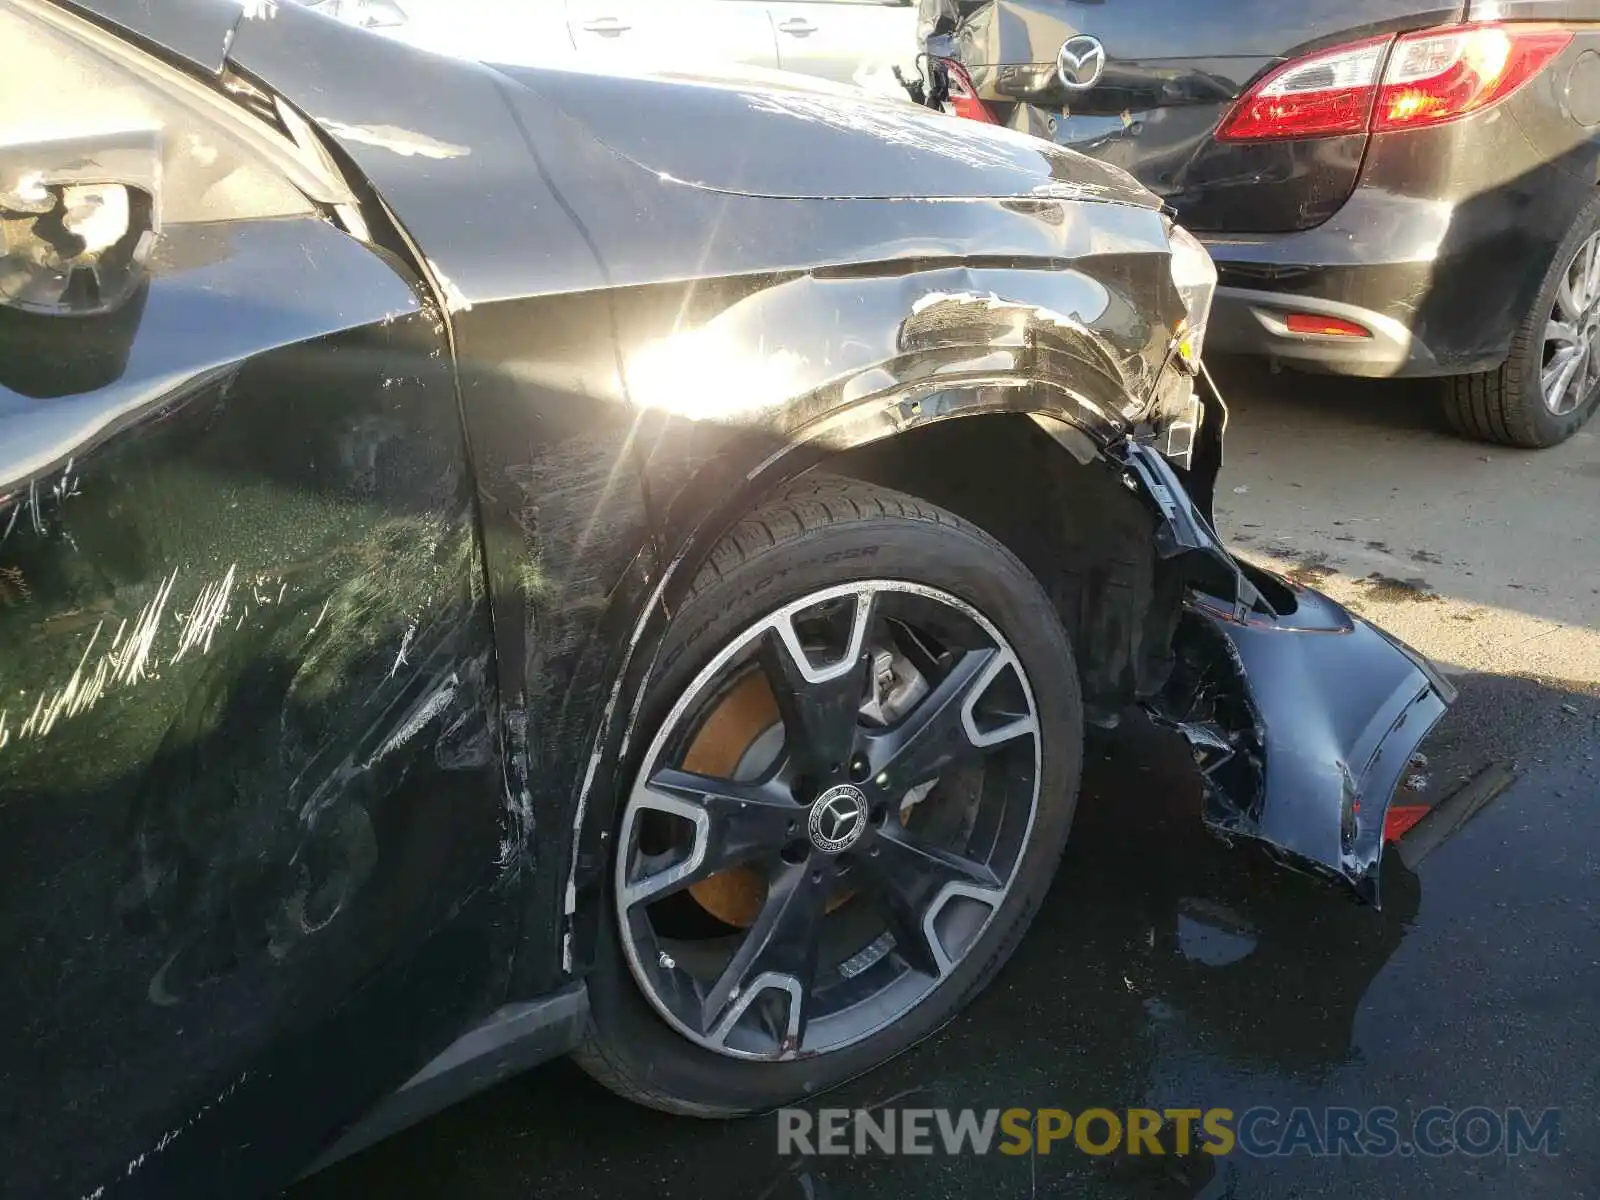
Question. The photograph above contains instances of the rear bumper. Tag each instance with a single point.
(1440, 285)
(1255, 322)
(1375, 264)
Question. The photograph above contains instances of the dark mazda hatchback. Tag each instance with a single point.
(505, 563)
(1388, 187)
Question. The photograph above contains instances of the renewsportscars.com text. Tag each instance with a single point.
(1260, 1132)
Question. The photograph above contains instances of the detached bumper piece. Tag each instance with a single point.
(1302, 724)
(1303, 718)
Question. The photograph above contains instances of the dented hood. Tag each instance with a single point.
(757, 133)
(782, 135)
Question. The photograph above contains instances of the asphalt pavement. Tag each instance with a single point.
(1167, 970)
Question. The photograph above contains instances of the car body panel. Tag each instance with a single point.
(1378, 230)
(1533, 10)
(1172, 73)
(1332, 712)
(476, 29)
(875, 148)
(566, 535)
(1030, 32)
(855, 42)
(1478, 199)
(482, 466)
(195, 31)
(711, 422)
(1302, 716)
(674, 31)
(250, 778)
(851, 41)
(247, 762)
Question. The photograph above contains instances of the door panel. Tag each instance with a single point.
(850, 41)
(673, 33)
(247, 779)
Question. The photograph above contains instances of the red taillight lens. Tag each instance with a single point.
(964, 100)
(1324, 94)
(1441, 76)
(1430, 77)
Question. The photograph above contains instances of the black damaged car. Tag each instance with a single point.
(502, 563)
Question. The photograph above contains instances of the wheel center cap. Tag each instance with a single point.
(838, 818)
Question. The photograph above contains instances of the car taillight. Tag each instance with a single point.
(1425, 79)
(1325, 94)
(964, 100)
(1441, 76)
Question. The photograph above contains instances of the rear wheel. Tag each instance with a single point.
(1549, 386)
(866, 741)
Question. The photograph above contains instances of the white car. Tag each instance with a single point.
(856, 42)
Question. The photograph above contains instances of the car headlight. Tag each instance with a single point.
(368, 14)
(1195, 276)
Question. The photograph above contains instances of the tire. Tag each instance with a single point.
(1507, 406)
(821, 534)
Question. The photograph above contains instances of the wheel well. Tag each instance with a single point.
(1077, 526)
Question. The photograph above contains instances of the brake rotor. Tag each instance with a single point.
(733, 896)
(726, 737)
(748, 711)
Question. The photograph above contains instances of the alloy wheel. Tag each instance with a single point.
(831, 865)
(1571, 366)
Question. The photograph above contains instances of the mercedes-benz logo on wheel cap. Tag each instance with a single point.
(1081, 62)
(837, 818)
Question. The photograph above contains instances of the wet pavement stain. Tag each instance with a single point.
(1168, 970)
(1385, 589)
(1312, 570)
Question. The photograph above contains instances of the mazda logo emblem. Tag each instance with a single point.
(1081, 62)
(837, 818)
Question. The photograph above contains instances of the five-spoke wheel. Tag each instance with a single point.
(878, 820)
(864, 747)
(1549, 385)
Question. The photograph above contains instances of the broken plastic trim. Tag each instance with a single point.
(1185, 530)
(1301, 717)
(1301, 726)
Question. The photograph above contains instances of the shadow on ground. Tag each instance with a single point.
(1370, 404)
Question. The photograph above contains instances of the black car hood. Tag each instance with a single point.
(781, 135)
(195, 31)
(761, 133)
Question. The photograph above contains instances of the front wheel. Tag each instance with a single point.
(1549, 386)
(866, 742)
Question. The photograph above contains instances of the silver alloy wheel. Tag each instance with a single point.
(815, 970)
(1572, 335)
